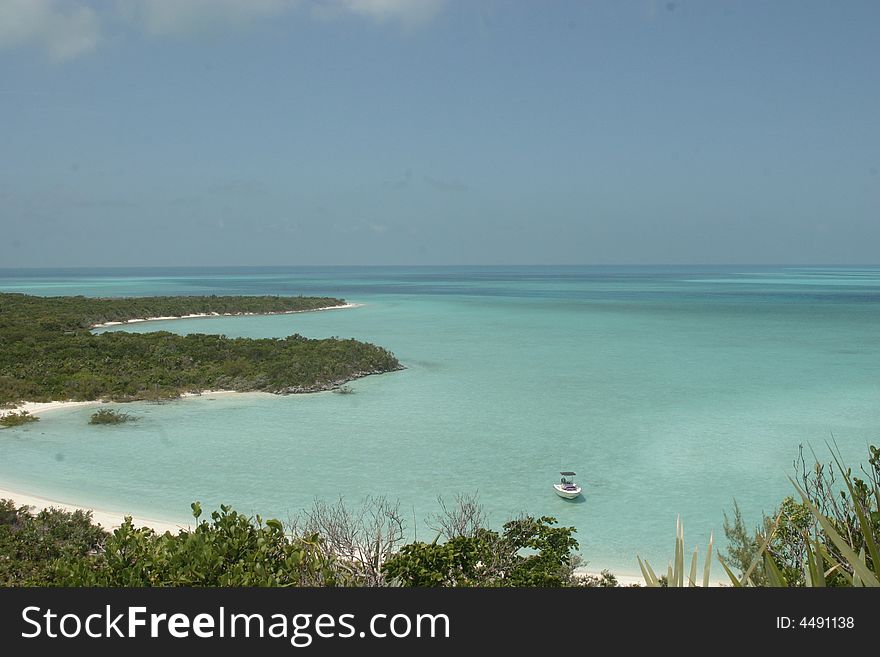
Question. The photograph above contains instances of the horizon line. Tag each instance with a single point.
(376, 266)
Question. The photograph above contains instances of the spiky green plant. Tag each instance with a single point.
(839, 550)
(853, 566)
(675, 574)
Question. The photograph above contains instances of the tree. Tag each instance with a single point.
(466, 518)
(490, 558)
(229, 550)
(360, 539)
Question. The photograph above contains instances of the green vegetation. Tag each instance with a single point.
(30, 545)
(675, 574)
(109, 416)
(229, 550)
(17, 419)
(490, 558)
(829, 538)
(819, 541)
(48, 352)
(58, 548)
(77, 312)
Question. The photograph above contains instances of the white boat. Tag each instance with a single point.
(566, 487)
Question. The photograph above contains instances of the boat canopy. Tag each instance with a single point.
(568, 474)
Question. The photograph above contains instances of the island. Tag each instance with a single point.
(49, 351)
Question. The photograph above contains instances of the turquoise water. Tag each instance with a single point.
(669, 390)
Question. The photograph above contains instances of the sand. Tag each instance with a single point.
(107, 519)
(110, 519)
(201, 315)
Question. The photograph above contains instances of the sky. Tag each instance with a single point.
(402, 132)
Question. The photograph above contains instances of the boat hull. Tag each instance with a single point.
(567, 493)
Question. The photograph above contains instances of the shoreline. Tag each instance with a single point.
(209, 315)
(623, 580)
(36, 408)
(109, 520)
(106, 518)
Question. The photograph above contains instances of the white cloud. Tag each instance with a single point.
(407, 12)
(63, 29)
(68, 28)
(180, 17)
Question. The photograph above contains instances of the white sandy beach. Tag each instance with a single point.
(203, 315)
(112, 519)
(638, 580)
(39, 408)
(622, 580)
(108, 519)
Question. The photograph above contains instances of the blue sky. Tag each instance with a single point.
(276, 132)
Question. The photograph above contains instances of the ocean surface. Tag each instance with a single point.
(669, 390)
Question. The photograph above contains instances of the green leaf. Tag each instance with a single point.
(864, 573)
(733, 579)
(864, 523)
(814, 572)
(774, 575)
(747, 576)
(648, 573)
(708, 565)
(678, 570)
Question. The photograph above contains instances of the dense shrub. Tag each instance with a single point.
(528, 552)
(830, 536)
(110, 416)
(17, 419)
(47, 351)
(229, 550)
(30, 545)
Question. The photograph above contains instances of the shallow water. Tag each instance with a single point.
(669, 390)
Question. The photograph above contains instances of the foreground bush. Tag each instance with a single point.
(490, 558)
(57, 548)
(229, 550)
(830, 538)
(30, 545)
